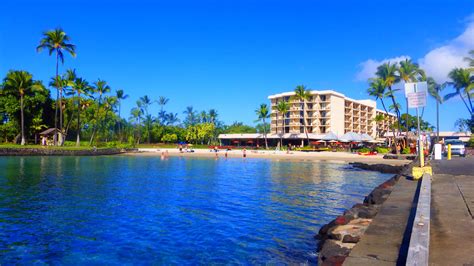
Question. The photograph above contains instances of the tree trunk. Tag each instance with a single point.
(394, 143)
(265, 133)
(397, 111)
(78, 138)
(57, 101)
(407, 124)
(120, 123)
(23, 141)
(61, 115)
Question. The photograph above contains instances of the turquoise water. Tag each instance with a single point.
(142, 210)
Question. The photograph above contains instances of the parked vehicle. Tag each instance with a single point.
(457, 147)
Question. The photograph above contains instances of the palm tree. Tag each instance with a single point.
(162, 101)
(409, 72)
(212, 114)
(434, 90)
(203, 116)
(377, 119)
(78, 86)
(377, 90)
(388, 74)
(302, 94)
(137, 113)
(171, 119)
(282, 108)
(100, 87)
(190, 116)
(120, 95)
(463, 84)
(20, 83)
(146, 102)
(262, 114)
(57, 41)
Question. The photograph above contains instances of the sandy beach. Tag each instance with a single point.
(343, 157)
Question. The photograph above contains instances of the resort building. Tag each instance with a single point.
(324, 112)
(327, 111)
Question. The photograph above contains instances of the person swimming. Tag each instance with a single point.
(162, 155)
(244, 152)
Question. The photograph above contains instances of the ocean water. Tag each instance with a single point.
(180, 211)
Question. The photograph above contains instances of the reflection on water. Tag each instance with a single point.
(115, 210)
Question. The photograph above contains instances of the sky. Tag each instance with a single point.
(230, 55)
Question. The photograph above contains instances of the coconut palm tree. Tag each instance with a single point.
(120, 95)
(171, 119)
(79, 86)
(282, 108)
(137, 113)
(387, 72)
(57, 41)
(162, 101)
(377, 89)
(101, 88)
(470, 60)
(377, 119)
(212, 115)
(463, 83)
(302, 94)
(20, 83)
(409, 72)
(434, 90)
(190, 116)
(146, 102)
(262, 114)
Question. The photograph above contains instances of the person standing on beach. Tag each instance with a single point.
(225, 154)
(244, 152)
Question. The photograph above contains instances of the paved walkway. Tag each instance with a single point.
(452, 212)
(384, 241)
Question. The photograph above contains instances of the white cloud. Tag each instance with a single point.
(437, 63)
(369, 67)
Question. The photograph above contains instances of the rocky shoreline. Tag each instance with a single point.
(337, 238)
(382, 168)
(59, 152)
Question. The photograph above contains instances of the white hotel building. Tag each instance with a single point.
(325, 111)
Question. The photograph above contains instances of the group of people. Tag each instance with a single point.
(216, 152)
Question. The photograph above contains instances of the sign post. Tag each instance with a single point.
(416, 93)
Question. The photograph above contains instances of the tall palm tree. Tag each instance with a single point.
(262, 114)
(101, 88)
(162, 101)
(302, 94)
(171, 119)
(377, 119)
(57, 41)
(78, 86)
(377, 89)
(434, 89)
(203, 116)
(388, 73)
(409, 72)
(463, 83)
(20, 83)
(146, 102)
(190, 116)
(137, 113)
(120, 95)
(282, 108)
(212, 114)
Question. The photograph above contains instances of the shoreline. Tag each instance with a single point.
(275, 155)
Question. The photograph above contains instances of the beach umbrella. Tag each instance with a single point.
(366, 137)
(333, 141)
(351, 137)
(317, 142)
(330, 136)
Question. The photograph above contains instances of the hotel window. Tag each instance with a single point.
(323, 98)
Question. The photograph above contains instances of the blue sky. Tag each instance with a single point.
(230, 55)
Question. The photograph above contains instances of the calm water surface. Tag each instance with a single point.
(142, 210)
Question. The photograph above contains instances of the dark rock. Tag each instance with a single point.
(350, 239)
(334, 261)
(377, 196)
(383, 168)
(331, 249)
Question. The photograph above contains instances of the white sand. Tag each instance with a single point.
(271, 154)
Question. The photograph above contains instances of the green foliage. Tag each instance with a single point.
(382, 150)
(169, 138)
(364, 150)
(406, 150)
(238, 127)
